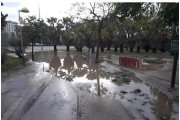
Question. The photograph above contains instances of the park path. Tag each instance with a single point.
(60, 101)
(21, 88)
(57, 99)
(31, 93)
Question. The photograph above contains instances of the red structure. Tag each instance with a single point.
(129, 62)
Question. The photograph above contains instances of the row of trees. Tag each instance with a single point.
(101, 25)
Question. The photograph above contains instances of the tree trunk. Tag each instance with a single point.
(92, 49)
(67, 49)
(115, 49)
(108, 48)
(3, 58)
(18, 53)
(121, 48)
(146, 48)
(138, 49)
(154, 50)
(131, 49)
(55, 49)
(32, 53)
(97, 54)
(162, 50)
(3, 55)
(98, 87)
(98, 41)
(102, 49)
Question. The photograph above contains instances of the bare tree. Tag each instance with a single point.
(97, 12)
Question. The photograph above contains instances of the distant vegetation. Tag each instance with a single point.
(134, 26)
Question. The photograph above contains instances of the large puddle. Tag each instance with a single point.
(143, 100)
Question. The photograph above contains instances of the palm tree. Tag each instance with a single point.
(54, 30)
(67, 34)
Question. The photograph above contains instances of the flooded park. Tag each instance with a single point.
(107, 79)
(89, 60)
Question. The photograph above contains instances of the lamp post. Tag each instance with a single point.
(174, 49)
(32, 41)
(24, 10)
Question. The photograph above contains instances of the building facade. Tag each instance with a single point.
(10, 28)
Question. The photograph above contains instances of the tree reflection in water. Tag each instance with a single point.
(81, 69)
(94, 74)
(68, 63)
(161, 105)
(55, 63)
(88, 77)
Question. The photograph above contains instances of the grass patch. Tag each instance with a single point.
(10, 62)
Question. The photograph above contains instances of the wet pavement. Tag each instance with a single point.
(19, 89)
(82, 89)
(110, 82)
(61, 101)
(57, 102)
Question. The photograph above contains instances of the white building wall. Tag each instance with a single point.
(10, 28)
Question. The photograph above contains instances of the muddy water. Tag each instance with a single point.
(143, 100)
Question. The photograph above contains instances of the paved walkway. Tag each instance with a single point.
(162, 78)
(19, 88)
(60, 101)
(166, 72)
(31, 94)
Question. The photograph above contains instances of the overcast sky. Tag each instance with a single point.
(48, 8)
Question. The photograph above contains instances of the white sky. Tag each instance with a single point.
(48, 8)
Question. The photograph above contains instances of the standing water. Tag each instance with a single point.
(143, 100)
